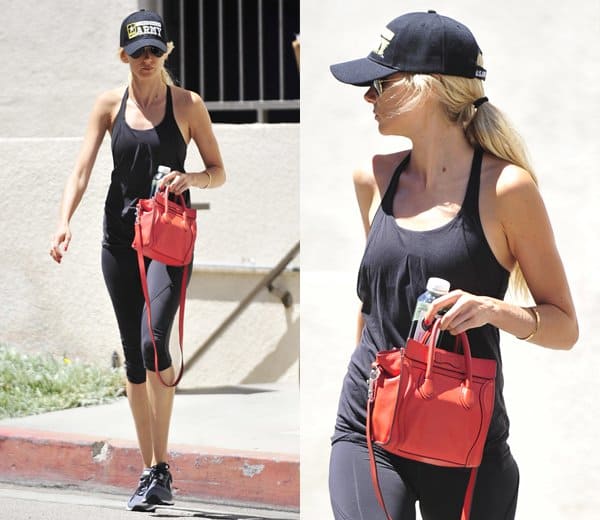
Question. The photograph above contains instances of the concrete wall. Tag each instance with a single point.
(60, 57)
(542, 61)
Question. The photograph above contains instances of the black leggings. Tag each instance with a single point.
(122, 278)
(440, 491)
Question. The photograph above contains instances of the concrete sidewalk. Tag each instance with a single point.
(234, 445)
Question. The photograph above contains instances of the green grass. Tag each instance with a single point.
(32, 384)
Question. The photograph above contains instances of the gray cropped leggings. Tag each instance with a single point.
(439, 491)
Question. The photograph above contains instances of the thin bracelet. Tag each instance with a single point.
(536, 315)
(209, 180)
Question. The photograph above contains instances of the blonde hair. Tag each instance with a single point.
(164, 73)
(486, 126)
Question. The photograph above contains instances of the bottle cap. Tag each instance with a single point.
(163, 169)
(438, 285)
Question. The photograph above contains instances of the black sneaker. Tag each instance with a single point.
(137, 502)
(159, 490)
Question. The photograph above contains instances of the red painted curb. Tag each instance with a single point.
(215, 475)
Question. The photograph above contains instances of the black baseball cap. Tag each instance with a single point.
(143, 29)
(419, 43)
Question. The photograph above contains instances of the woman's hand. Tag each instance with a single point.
(176, 182)
(60, 243)
(465, 311)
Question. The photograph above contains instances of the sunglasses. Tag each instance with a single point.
(140, 52)
(378, 85)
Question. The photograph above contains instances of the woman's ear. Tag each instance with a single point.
(123, 55)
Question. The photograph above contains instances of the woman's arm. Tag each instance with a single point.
(99, 123)
(201, 132)
(530, 240)
(365, 189)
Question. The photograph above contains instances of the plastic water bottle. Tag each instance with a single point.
(436, 287)
(161, 171)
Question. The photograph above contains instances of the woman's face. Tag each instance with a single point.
(147, 63)
(393, 104)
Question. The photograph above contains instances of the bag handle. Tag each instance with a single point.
(180, 202)
(427, 335)
(427, 388)
(143, 278)
(179, 197)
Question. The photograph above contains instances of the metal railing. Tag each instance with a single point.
(236, 53)
(265, 283)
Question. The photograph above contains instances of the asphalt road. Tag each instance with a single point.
(25, 502)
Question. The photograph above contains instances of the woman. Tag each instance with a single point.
(462, 205)
(151, 122)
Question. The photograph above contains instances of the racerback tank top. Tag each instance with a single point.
(136, 157)
(393, 273)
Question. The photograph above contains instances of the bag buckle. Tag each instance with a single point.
(373, 377)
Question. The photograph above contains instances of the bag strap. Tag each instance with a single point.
(373, 466)
(466, 509)
(143, 279)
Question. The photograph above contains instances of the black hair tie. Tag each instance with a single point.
(478, 102)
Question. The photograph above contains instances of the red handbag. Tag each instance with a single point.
(431, 405)
(165, 231)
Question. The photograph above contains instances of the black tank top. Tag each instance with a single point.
(395, 267)
(136, 157)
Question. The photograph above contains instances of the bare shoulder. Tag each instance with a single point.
(363, 178)
(509, 198)
(106, 107)
(384, 166)
(186, 99)
(505, 180)
(113, 96)
(108, 100)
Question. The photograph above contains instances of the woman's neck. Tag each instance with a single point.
(145, 94)
(439, 148)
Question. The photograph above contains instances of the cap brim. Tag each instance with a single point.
(361, 72)
(145, 42)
